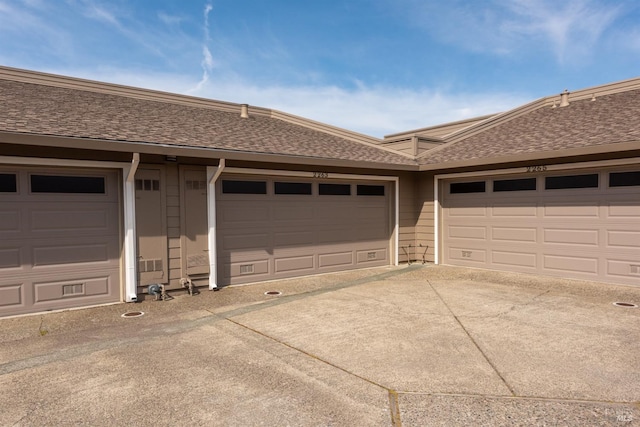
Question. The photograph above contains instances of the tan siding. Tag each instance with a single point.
(425, 226)
(173, 226)
(408, 217)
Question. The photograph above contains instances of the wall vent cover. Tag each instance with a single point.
(246, 269)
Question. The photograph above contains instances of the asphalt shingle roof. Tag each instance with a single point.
(67, 112)
(610, 119)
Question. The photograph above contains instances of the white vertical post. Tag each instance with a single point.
(436, 221)
(213, 173)
(130, 250)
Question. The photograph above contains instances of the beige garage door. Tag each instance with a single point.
(59, 244)
(582, 225)
(276, 228)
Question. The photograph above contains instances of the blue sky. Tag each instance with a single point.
(372, 66)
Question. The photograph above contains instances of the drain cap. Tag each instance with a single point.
(129, 314)
(273, 293)
(625, 304)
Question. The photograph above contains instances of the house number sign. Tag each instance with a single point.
(320, 175)
(538, 168)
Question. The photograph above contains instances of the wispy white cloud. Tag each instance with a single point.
(568, 28)
(207, 62)
(373, 110)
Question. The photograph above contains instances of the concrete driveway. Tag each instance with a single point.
(411, 346)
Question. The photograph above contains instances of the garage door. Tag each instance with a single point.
(276, 228)
(577, 225)
(59, 244)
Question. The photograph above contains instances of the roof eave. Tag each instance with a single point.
(536, 156)
(194, 152)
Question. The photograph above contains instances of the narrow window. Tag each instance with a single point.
(467, 187)
(524, 184)
(370, 190)
(571, 181)
(334, 189)
(301, 188)
(244, 187)
(67, 184)
(624, 179)
(8, 183)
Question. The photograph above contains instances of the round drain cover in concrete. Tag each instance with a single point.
(273, 293)
(625, 304)
(129, 314)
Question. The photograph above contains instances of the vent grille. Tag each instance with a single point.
(148, 265)
(147, 185)
(70, 290)
(372, 255)
(246, 269)
(635, 269)
(196, 185)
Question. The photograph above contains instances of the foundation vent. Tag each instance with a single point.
(371, 256)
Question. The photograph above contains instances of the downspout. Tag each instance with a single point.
(213, 173)
(436, 221)
(130, 262)
(397, 222)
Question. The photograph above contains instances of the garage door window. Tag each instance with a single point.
(370, 190)
(571, 181)
(624, 179)
(525, 184)
(67, 184)
(244, 187)
(334, 189)
(8, 183)
(299, 188)
(467, 187)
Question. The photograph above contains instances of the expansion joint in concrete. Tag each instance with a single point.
(477, 346)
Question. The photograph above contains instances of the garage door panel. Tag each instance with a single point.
(10, 258)
(335, 259)
(300, 238)
(72, 289)
(244, 211)
(286, 264)
(517, 259)
(571, 264)
(62, 254)
(254, 270)
(624, 267)
(245, 241)
(509, 211)
(514, 234)
(571, 236)
(467, 232)
(12, 296)
(10, 222)
(461, 210)
(72, 219)
(573, 211)
(371, 255)
(468, 255)
(628, 209)
(623, 238)
(292, 212)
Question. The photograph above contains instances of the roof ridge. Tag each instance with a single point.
(360, 138)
